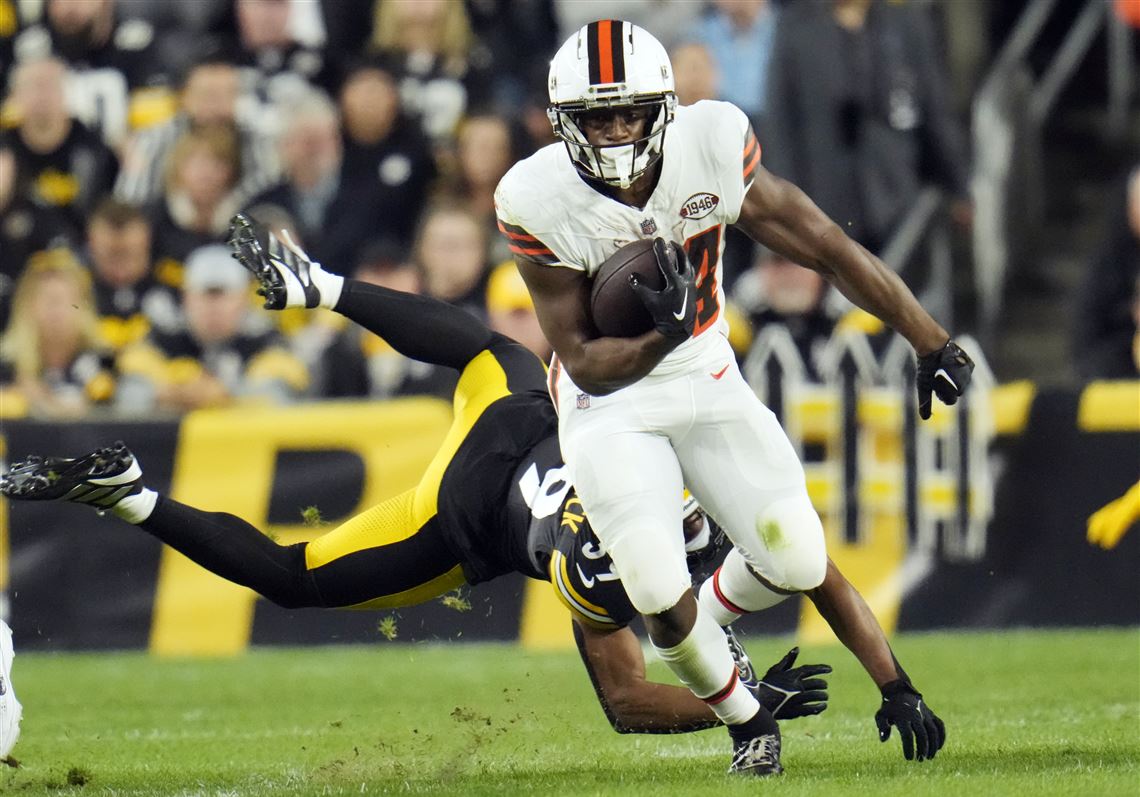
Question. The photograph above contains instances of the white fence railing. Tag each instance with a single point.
(870, 463)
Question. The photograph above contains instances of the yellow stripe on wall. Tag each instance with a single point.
(873, 567)
(545, 624)
(225, 461)
(1010, 404)
(1110, 407)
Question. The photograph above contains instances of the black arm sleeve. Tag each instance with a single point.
(419, 327)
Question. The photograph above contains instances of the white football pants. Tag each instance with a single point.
(630, 452)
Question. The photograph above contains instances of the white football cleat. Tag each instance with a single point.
(10, 708)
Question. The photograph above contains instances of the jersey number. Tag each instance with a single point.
(544, 498)
(703, 250)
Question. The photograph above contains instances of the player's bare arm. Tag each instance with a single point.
(849, 616)
(921, 731)
(598, 365)
(631, 703)
(779, 215)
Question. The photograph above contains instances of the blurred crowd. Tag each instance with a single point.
(375, 132)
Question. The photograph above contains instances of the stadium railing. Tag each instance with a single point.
(1009, 113)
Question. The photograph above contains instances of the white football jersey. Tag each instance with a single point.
(549, 214)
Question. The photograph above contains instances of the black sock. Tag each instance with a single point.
(761, 724)
(233, 549)
(419, 327)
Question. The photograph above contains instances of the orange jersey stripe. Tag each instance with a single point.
(751, 165)
(516, 236)
(750, 146)
(605, 51)
(521, 249)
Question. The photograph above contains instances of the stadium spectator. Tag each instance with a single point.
(348, 25)
(51, 353)
(25, 229)
(335, 213)
(694, 73)
(739, 35)
(499, 26)
(60, 164)
(431, 42)
(777, 291)
(209, 96)
(485, 150)
(9, 27)
(510, 310)
(200, 195)
(225, 354)
(451, 253)
(670, 22)
(263, 38)
(380, 141)
(862, 130)
(532, 116)
(362, 364)
(130, 298)
(116, 78)
(268, 41)
(1106, 340)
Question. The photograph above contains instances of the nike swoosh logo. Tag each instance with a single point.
(719, 373)
(941, 372)
(587, 582)
(680, 315)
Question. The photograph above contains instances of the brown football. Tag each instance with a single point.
(616, 309)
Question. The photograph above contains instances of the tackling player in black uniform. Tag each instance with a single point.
(492, 501)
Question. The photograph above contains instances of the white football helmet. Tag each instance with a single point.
(611, 64)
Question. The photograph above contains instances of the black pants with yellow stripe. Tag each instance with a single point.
(397, 553)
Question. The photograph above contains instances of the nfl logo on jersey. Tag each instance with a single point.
(583, 401)
(648, 226)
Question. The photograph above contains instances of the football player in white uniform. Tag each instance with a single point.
(10, 709)
(637, 416)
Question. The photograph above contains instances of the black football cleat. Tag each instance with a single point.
(759, 756)
(284, 272)
(100, 479)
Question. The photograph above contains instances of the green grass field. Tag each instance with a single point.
(1027, 713)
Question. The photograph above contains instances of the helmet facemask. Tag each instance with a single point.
(614, 164)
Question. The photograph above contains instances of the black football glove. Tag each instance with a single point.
(674, 307)
(946, 372)
(920, 729)
(790, 692)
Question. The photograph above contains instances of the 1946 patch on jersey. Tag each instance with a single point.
(699, 205)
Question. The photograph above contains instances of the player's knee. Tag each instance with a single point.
(652, 586)
(294, 587)
(790, 531)
(652, 599)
